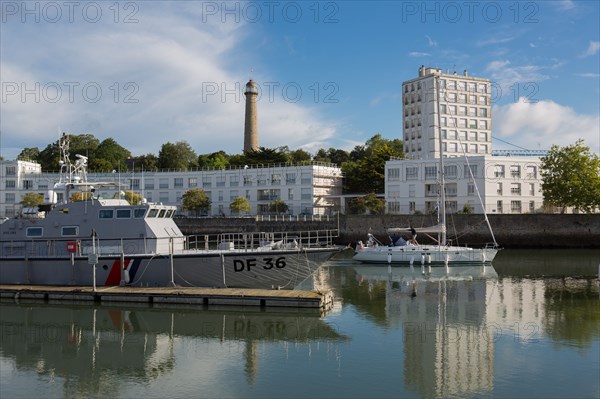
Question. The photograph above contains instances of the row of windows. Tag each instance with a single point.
(137, 213)
(220, 181)
(462, 135)
(515, 206)
(452, 148)
(451, 171)
(450, 98)
(452, 85)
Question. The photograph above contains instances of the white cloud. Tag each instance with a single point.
(417, 54)
(541, 124)
(186, 75)
(503, 74)
(592, 49)
(431, 42)
(495, 40)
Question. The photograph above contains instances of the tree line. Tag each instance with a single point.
(363, 166)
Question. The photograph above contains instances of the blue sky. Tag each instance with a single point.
(330, 73)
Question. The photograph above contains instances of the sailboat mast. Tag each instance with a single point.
(442, 207)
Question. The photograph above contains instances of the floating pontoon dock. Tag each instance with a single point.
(172, 295)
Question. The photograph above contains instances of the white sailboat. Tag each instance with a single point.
(410, 252)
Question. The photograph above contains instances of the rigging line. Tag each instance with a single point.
(506, 142)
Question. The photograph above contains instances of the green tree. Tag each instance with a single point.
(49, 157)
(375, 205)
(80, 196)
(109, 153)
(29, 154)
(32, 200)
(332, 155)
(239, 205)
(196, 201)
(262, 156)
(365, 171)
(178, 156)
(571, 177)
(216, 160)
(148, 162)
(356, 206)
(133, 198)
(278, 206)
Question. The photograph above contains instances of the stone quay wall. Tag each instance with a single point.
(511, 231)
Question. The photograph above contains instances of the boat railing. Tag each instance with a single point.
(263, 240)
(61, 247)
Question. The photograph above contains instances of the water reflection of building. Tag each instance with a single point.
(443, 319)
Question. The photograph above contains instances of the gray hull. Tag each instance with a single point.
(278, 269)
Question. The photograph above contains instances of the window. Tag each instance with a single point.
(306, 178)
(442, 108)
(34, 231)
(290, 193)
(452, 109)
(472, 111)
(206, 181)
(69, 231)
(531, 206)
(473, 170)
(135, 184)
(220, 195)
(306, 193)
(393, 206)
(431, 190)
(192, 182)
(247, 181)
(290, 178)
(453, 147)
(412, 173)
(394, 174)
(482, 136)
(531, 172)
(473, 124)
(483, 112)
(149, 184)
(483, 124)
(515, 171)
(275, 179)
(472, 136)
(9, 184)
(499, 206)
(412, 206)
(234, 180)
(152, 213)
(470, 189)
(106, 214)
(483, 148)
(473, 99)
(482, 88)
(411, 190)
(462, 111)
(499, 172)
(499, 189)
(163, 196)
(233, 194)
(27, 184)
(161, 213)
(482, 100)
(450, 171)
(163, 183)
(220, 181)
(430, 172)
(262, 180)
(515, 206)
(139, 213)
(473, 148)
(515, 188)
(123, 213)
(178, 182)
(532, 189)
(462, 98)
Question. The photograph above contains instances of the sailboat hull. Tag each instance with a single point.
(425, 254)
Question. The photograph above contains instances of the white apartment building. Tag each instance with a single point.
(306, 189)
(460, 108)
(506, 184)
(464, 114)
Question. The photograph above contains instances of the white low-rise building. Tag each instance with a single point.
(313, 188)
(506, 184)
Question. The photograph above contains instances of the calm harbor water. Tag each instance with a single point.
(528, 327)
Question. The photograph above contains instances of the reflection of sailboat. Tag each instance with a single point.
(386, 273)
(401, 251)
(88, 346)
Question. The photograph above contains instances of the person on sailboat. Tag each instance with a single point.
(413, 236)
